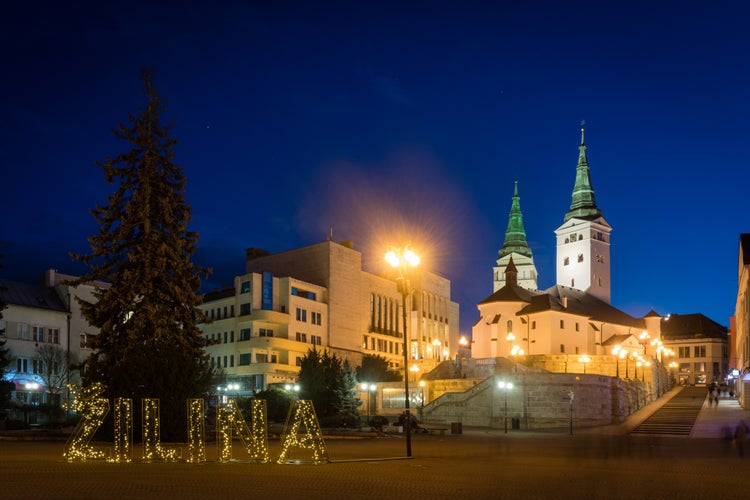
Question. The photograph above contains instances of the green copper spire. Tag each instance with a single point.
(583, 206)
(515, 235)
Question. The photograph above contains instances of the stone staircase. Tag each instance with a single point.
(677, 416)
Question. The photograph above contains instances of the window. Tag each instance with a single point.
(509, 326)
(261, 358)
(37, 366)
(37, 333)
(315, 317)
(245, 309)
(562, 348)
(316, 339)
(566, 261)
(245, 359)
(231, 336)
(699, 351)
(225, 361)
(683, 352)
(225, 337)
(245, 287)
(573, 237)
(700, 367)
(301, 337)
(22, 365)
(245, 334)
(231, 310)
(562, 323)
(263, 332)
(580, 257)
(231, 360)
(53, 335)
(533, 325)
(684, 367)
(298, 361)
(302, 315)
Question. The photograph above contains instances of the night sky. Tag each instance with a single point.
(392, 122)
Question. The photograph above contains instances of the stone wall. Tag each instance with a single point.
(539, 401)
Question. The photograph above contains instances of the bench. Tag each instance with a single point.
(431, 429)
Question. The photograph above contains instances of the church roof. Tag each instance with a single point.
(512, 293)
(583, 205)
(578, 302)
(515, 234)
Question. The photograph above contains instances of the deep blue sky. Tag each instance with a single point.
(378, 118)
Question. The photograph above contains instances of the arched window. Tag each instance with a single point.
(510, 326)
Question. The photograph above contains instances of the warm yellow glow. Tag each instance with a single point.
(255, 440)
(517, 351)
(463, 342)
(414, 368)
(92, 410)
(123, 431)
(152, 448)
(402, 258)
(196, 430)
(302, 430)
(510, 337)
(584, 359)
(505, 385)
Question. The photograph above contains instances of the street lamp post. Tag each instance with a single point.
(585, 360)
(402, 259)
(505, 386)
(367, 388)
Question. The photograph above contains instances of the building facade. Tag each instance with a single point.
(319, 295)
(742, 322)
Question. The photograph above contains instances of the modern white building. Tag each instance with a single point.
(319, 295)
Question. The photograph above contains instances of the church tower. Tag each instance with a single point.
(583, 240)
(516, 250)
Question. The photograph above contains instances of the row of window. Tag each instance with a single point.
(575, 237)
(216, 314)
(699, 351)
(509, 325)
(380, 345)
(316, 318)
(384, 315)
(697, 367)
(35, 333)
(434, 306)
(36, 366)
(314, 339)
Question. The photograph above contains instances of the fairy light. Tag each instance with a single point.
(152, 448)
(123, 431)
(302, 415)
(92, 410)
(196, 431)
(255, 440)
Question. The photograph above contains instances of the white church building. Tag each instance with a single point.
(573, 317)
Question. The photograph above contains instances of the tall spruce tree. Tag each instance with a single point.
(149, 343)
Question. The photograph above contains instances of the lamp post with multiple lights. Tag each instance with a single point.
(584, 359)
(402, 259)
(505, 386)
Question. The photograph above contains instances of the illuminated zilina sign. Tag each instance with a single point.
(229, 419)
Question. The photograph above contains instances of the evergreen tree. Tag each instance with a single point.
(5, 356)
(374, 368)
(329, 383)
(149, 343)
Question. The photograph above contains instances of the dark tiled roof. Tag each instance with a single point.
(694, 325)
(23, 294)
(512, 293)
